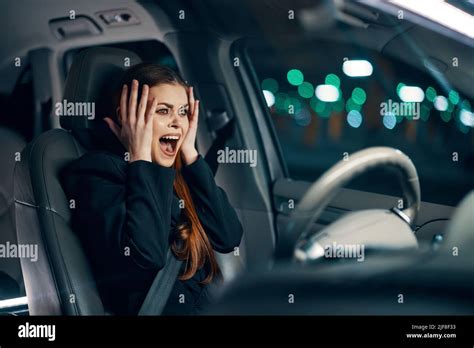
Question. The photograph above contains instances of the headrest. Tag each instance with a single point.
(93, 78)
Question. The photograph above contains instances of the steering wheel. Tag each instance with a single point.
(375, 228)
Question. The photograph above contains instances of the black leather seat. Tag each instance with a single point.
(61, 281)
(11, 143)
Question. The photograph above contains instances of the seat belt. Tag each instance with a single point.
(160, 289)
(223, 125)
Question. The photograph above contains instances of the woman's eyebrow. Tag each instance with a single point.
(171, 105)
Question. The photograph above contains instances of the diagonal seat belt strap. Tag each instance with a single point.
(161, 287)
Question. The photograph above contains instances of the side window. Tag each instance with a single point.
(329, 100)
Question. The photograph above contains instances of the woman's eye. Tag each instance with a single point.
(184, 112)
(163, 111)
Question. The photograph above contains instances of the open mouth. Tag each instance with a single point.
(169, 144)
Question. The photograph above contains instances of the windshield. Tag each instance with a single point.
(329, 98)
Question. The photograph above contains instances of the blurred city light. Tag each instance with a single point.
(354, 118)
(306, 90)
(358, 96)
(295, 77)
(332, 79)
(441, 103)
(430, 94)
(399, 87)
(453, 97)
(303, 118)
(411, 94)
(357, 68)
(466, 117)
(389, 120)
(445, 116)
(351, 105)
(269, 98)
(327, 93)
(270, 85)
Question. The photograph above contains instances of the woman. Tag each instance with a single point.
(149, 190)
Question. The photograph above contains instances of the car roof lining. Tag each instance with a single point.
(156, 22)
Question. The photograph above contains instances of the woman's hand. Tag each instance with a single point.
(136, 123)
(188, 148)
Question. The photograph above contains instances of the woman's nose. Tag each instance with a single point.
(175, 121)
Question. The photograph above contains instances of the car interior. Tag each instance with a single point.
(329, 172)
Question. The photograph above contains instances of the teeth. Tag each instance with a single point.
(171, 137)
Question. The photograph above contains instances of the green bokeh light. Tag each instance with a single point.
(327, 109)
(466, 105)
(320, 106)
(399, 87)
(351, 105)
(270, 85)
(280, 102)
(339, 105)
(424, 112)
(295, 77)
(313, 102)
(445, 116)
(359, 96)
(332, 79)
(430, 94)
(453, 97)
(306, 90)
(450, 106)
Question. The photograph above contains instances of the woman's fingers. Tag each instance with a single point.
(143, 103)
(195, 118)
(132, 102)
(191, 98)
(151, 110)
(123, 104)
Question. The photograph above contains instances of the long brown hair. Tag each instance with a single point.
(190, 242)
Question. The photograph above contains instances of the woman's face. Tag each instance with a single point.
(170, 122)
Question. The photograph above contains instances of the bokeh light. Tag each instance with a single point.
(354, 118)
(269, 98)
(358, 96)
(295, 77)
(270, 85)
(306, 90)
(441, 103)
(389, 120)
(332, 79)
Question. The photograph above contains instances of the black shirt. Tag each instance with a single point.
(125, 215)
